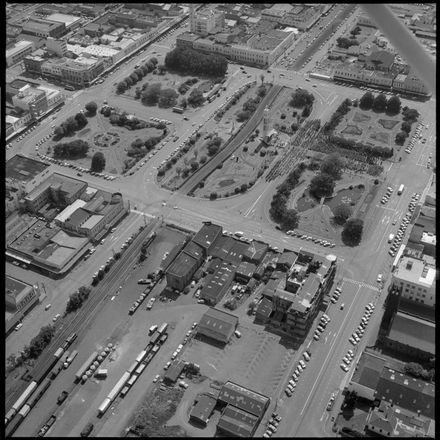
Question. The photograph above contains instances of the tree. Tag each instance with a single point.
(121, 87)
(406, 127)
(352, 232)
(322, 185)
(301, 98)
(380, 103)
(151, 95)
(196, 98)
(213, 196)
(414, 369)
(129, 80)
(400, 138)
(203, 159)
(345, 43)
(393, 105)
(342, 213)
(290, 219)
(243, 116)
(167, 98)
(366, 102)
(333, 165)
(91, 107)
(59, 131)
(98, 162)
(81, 120)
(135, 77)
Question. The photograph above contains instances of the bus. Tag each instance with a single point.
(401, 188)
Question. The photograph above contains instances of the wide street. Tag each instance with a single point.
(303, 414)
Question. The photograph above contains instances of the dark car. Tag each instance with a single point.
(62, 397)
(87, 430)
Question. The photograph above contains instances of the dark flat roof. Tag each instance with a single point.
(207, 235)
(203, 408)
(182, 265)
(23, 169)
(194, 250)
(237, 422)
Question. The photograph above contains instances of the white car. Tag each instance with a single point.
(344, 367)
(352, 341)
(302, 363)
(156, 378)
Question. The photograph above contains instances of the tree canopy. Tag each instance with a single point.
(91, 107)
(301, 98)
(380, 103)
(190, 61)
(98, 162)
(393, 105)
(333, 165)
(345, 43)
(367, 100)
(71, 150)
(196, 98)
(352, 232)
(342, 213)
(167, 98)
(151, 95)
(322, 185)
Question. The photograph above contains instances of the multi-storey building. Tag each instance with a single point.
(18, 52)
(205, 21)
(44, 28)
(416, 280)
(81, 71)
(57, 45)
(33, 63)
(32, 100)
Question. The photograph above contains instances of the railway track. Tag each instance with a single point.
(79, 322)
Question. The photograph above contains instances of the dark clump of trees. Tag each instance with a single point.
(287, 218)
(71, 150)
(342, 213)
(190, 61)
(196, 98)
(39, 342)
(337, 116)
(322, 185)
(91, 108)
(301, 98)
(352, 232)
(76, 299)
(345, 43)
(137, 75)
(333, 165)
(71, 125)
(213, 145)
(416, 370)
(98, 162)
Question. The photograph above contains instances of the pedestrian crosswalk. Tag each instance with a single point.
(362, 284)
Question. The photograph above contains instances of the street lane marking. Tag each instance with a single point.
(362, 284)
(331, 349)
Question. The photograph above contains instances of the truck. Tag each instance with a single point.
(401, 188)
(85, 365)
(178, 110)
(102, 373)
(62, 397)
(70, 359)
(238, 234)
(152, 329)
(163, 328)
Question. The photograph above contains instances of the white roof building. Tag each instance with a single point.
(67, 212)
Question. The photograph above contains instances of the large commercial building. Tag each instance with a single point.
(202, 410)
(243, 410)
(81, 71)
(71, 22)
(32, 100)
(216, 284)
(57, 45)
(416, 280)
(205, 21)
(44, 28)
(296, 300)
(18, 52)
(207, 236)
(260, 49)
(59, 189)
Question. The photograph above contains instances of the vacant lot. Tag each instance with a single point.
(112, 140)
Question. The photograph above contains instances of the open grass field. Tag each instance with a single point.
(369, 127)
(113, 141)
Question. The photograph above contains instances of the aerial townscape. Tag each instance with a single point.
(220, 220)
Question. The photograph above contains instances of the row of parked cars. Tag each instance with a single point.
(387, 195)
(416, 135)
(298, 370)
(325, 319)
(399, 235)
(359, 332)
(272, 425)
(316, 240)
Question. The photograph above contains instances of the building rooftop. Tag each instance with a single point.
(78, 217)
(368, 370)
(69, 210)
(92, 221)
(243, 398)
(202, 410)
(174, 370)
(413, 331)
(237, 422)
(68, 20)
(18, 46)
(182, 265)
(194, 250)
(218, 321)
(16, 288)
(23, 168)
(255, 251)
(246, 269)
(207, 235)
(228, 249)
(66, 184)
(407, 392)
(215, 284)
(415, 271)
(264, 309)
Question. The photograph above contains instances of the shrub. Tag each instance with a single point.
(213, 196)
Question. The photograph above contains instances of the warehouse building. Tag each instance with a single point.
(255, 252)
(174, 371)
(229, 249)
(207, 236)
(203, 409)
(218, 283)
(180, 272)
(245, 271)
(217, 325)
(237, 423)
